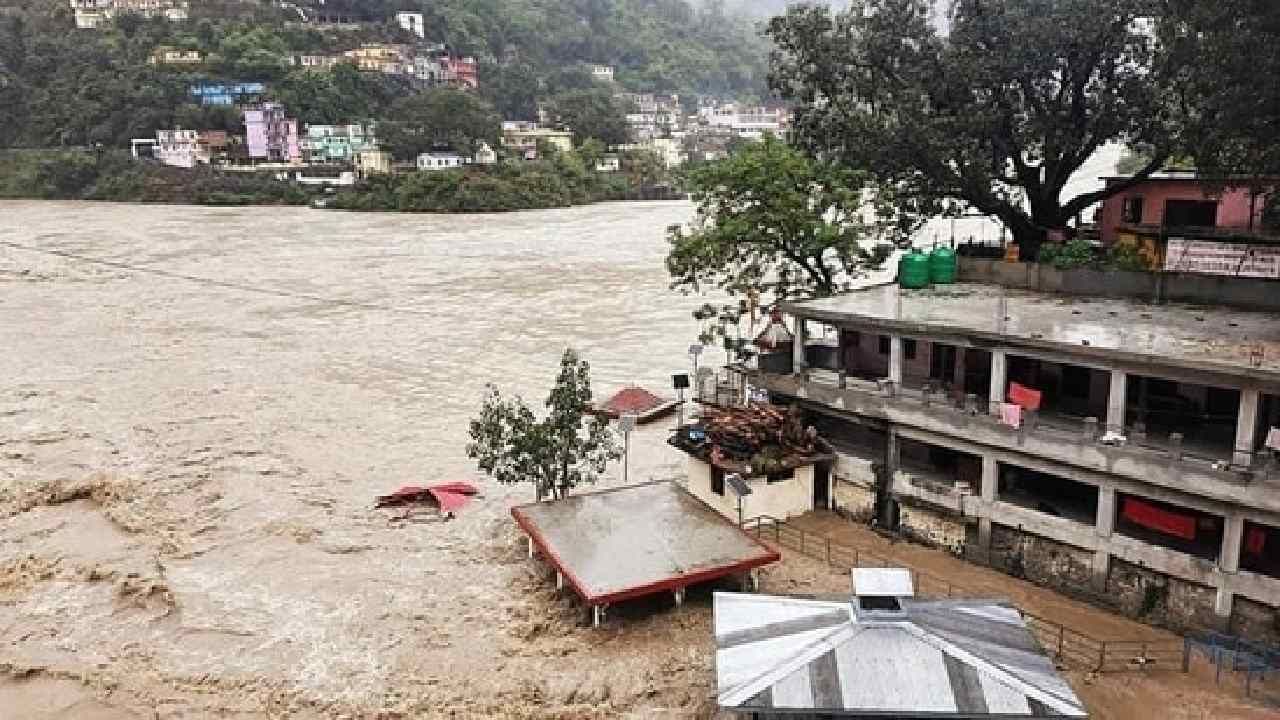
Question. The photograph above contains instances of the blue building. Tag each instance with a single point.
(228, 93)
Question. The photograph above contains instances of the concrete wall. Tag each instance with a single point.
(1255, 620)
(780, 500)
(1249, 293)
(854, 486)
(933, 527)
(1159, 599)
(864, 358)
(1054, 564)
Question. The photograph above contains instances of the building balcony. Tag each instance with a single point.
(1165, 462)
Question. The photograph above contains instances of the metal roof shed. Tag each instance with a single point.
(780, 657)
(639, 540)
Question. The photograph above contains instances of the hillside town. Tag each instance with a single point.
(647, 374)
(672, 129)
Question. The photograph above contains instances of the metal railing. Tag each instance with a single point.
(1068, 646)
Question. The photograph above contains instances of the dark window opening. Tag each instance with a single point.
(879, 602)
(717, 481)
(1204, 416)
(1260, 549)
(909, 349)
(782, 476)
(1048, 494)
(1068, 393)
(1131, 210)
(931, 465)
(1190, 213)
(1171, 526)
(884, 344)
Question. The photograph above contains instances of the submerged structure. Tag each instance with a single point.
(1105, 445)
(882, 654)
(630, 542)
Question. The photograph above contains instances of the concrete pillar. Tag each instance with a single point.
(797, 349)
(999, 379)
(895, 360)
(559, 580)
(1116, 401)
(1104, 525)
(1246, 428)
(990, 479)
(1232, 540)
(529, 541)
(679, 594)
(597, 615)
(1228, 565)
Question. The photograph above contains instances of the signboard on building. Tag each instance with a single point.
(1220, 258)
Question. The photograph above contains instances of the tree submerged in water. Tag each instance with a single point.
(567, 448)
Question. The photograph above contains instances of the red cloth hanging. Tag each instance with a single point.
(1026, 397)
(1255, 541)
(1152, 517)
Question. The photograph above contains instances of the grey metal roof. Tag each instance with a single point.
(955, 658)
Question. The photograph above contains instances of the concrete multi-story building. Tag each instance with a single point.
(337, 143)
(382, 57)
(169, 55)
(603, 73)
(1110, 447)
(747, 122)
(184, 148)
(91, 14)
(270, 135)
(412, 22)
(522, 137)
(317, 62)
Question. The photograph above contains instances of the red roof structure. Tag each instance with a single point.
(639, 540)
(636, 401)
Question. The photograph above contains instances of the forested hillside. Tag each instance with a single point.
(65, 87)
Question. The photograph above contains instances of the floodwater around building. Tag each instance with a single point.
(193, 431)
(200, 405)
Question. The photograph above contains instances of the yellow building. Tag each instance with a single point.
(391, 59)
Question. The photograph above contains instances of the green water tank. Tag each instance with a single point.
(913, 270)
(942, 266)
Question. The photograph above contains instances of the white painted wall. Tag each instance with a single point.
(780, 500)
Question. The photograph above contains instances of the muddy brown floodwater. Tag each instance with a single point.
(187, 468)
(192, 433)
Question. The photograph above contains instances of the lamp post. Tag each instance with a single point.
(626, 424)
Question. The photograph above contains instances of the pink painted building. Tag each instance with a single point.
(270, 135)
(1181, 201)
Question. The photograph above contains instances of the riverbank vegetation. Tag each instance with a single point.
(560, 179)
(116, 176)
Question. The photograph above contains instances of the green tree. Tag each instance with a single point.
(569, 447)
(439, 118)
(644, 167)
(995, 116)
(591, 113)
(1225, 58)
(771, 219)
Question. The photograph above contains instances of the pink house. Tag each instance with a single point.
(270, 135)
(1178, 200)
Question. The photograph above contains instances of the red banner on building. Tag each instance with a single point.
(1153, 518)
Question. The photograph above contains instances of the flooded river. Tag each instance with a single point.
(199, 406)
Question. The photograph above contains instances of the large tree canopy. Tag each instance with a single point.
(441, 118)
(1225, 58)
(995, 116)
(591, 113)
(771, 219)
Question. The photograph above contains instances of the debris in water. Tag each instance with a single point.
(448, 497)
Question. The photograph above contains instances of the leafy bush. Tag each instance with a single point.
(1127, 258)
(1070, 255)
